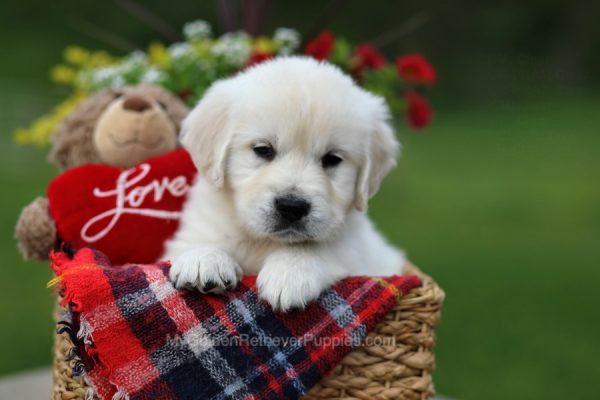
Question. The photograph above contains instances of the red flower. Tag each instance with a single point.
(184, 94)
(258, 57)
(419, 112)
(321, 46)
(367, 56)
(414, 68)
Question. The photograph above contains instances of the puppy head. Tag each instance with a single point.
(296, 143)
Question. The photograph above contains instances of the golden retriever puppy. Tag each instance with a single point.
(288, 152)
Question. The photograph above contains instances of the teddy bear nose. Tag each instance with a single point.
(136, 103)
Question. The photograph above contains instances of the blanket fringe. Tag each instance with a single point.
(90, 394)
(54, 281)
(120, 395)
(85, 330)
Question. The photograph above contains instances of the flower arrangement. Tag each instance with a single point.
(188, 68)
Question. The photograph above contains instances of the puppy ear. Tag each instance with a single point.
(205, 133)
(380, 157)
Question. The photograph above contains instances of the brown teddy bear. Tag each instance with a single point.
(120, 127)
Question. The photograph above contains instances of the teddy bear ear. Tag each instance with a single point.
(72, 141)
(175, 108)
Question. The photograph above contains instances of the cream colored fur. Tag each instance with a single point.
(303, 109)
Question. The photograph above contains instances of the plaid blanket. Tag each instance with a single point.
(140, 338)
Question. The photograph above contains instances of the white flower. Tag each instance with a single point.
(152, 75)
(179, 50)
(134, 61)
(197, 30)
(136, 56)
(288, 40)
(234, 48)
(105, 77)
(118, 81)
(104, 74)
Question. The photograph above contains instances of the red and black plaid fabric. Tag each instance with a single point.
(143, 339)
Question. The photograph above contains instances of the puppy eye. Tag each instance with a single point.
(162, 105)
(264, 151)
(330, 160)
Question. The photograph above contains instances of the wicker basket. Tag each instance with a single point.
(396, 361)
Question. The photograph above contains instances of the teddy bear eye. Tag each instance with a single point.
(330, 160)
(264, 151)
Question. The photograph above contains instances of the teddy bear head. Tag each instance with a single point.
(120, 127)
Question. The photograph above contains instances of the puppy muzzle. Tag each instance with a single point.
(290, 215)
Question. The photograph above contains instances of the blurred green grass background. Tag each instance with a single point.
(499, 200)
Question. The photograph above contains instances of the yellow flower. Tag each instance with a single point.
(99, 59)
(76, 55)
(158, 53)
(22, 136)
(264, 44)
(41, 130)
(63, 74)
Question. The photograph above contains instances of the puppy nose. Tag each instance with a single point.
(292, 208)
(136, 103)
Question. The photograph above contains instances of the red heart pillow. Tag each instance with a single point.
(128, 214)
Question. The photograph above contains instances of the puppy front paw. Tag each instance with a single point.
(208, 269)
(287, 281)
